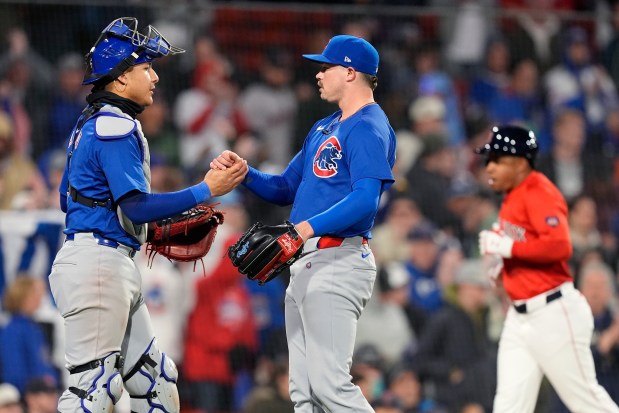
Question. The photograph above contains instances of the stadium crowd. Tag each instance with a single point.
(427, 339)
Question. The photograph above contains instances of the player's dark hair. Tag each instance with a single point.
(371, 80)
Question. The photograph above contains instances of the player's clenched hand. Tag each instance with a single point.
(222, 181)
(493, 242)
(225, 160)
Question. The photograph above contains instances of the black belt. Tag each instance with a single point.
(522, 308)
(128, 251)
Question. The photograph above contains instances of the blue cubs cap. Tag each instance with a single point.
(349, 51)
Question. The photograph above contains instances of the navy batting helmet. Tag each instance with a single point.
(511, 141)
(121, 46)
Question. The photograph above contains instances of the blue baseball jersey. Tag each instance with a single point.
(103, 167)
(335, 155)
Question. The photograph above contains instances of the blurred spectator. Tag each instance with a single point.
(41, 396)
(493, 77)
(521, 100)
(585, 235)
(569, 166)
(473, 209)
(274, 397)
(166, 290)
(596, 283)
(467, 30)
(25, 352)
(536, 34)
(429, 177)
(389, 237)
(389, 301)
(270, 107)
(610, 54)
(477, 125)
(221, 337)
(19, 48)
(25, 86)
(368, 372)
(427, 116)
(434, 81)
(9, 399)
(67, 102)
(405, 393)
(208, 115)
(422, 263)
(52, 168)
(579, 83)
(163, 139)
(455, 353)
(21, 184)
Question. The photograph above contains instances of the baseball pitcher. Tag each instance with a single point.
(334, 184)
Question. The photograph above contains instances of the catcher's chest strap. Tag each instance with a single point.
(90, 202)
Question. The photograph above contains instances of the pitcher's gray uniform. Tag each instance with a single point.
(334, 184)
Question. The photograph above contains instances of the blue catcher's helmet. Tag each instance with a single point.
(510, 140)
(121, 46)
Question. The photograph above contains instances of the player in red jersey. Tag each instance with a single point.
(549, 326)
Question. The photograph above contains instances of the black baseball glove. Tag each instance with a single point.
(264, 251)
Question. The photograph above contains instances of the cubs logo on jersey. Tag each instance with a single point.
(327, 155)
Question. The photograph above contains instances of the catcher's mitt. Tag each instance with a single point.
(184, 237)
(264, 251)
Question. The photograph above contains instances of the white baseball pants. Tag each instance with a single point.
(554, 340)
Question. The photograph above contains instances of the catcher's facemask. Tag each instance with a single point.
(120, 46)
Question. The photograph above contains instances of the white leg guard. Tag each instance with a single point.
(94, 387)
(152, 383)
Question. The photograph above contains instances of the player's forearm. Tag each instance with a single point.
(359, 204)
(542, 251)
(277, 189)
(142, 208)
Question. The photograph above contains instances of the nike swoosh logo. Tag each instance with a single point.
(364, 256)
(320, 127)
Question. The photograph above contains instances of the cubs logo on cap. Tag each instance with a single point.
(349, 51)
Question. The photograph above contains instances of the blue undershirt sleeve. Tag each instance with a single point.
(141, 208)
(63, 202)
(277, 189)
(360, 203)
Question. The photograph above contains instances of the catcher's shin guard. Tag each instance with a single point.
(151, 383)
(94, 387)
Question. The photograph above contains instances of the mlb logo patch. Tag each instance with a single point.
(552, 221)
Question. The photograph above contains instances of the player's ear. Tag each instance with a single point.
(522, 164)
(351, 74)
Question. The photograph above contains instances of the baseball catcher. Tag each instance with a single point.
(264, 251)
(185, 237)
(106, 195)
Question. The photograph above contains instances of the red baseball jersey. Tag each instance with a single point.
(534, 215)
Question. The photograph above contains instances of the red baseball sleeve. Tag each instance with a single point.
(548, 239)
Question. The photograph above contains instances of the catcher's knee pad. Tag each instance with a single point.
(152, 383)
(98, 384)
